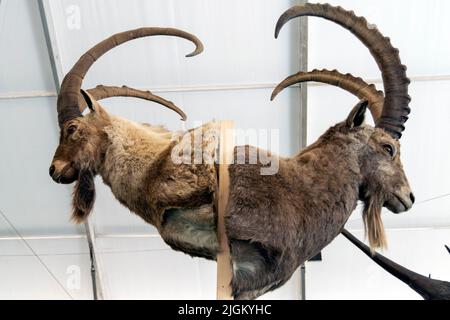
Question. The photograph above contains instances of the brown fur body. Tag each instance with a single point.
(276, 223)
(289, 217)
(139, 169)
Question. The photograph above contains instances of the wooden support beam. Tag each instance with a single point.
(224, 267)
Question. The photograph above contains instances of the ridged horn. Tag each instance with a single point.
(102, 92)
(348, 82)
(68, 98)
(396, 110)
(429, 289)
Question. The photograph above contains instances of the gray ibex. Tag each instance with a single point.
(274, 223)
(277, 222)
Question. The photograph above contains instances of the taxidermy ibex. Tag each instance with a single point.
(277, 222)
(274, 223)
(134, 159)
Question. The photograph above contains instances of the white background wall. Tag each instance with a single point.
(240, 53)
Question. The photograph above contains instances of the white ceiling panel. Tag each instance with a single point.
(59, 246)
(414, 27)
(23, 277)
(24, 62)
(147, 275)
(238, 38)
(13, 247)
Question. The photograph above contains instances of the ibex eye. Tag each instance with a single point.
(71, 129)
(389, 149)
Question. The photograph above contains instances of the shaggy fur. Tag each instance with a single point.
(176, 198)
(135, 161)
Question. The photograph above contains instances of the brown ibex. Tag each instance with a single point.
(134, 159)
(274, 222)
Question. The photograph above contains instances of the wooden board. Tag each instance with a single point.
(224, 267)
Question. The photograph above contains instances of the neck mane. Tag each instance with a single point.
(334, 162)
(140, 169)
(133, 149)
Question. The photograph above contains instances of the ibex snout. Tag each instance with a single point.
(401, 201)
(62, 172)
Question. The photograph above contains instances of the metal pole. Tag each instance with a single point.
(303, 282)
(50, 39)
(97, 289)
(57, 70)
(303, 57)
(303, 114)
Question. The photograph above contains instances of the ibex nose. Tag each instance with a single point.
(51, 171)
(413, 198)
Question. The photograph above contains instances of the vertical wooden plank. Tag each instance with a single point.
(224, 268)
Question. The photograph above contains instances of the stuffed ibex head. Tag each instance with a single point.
(383, 181)
(81, 147)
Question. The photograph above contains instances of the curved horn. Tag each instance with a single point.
(104, 92)
(395, 112)
(68, 107)
(428, 288)
(348, 82)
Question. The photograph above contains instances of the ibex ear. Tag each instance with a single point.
(356, 117)
(90, 101)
